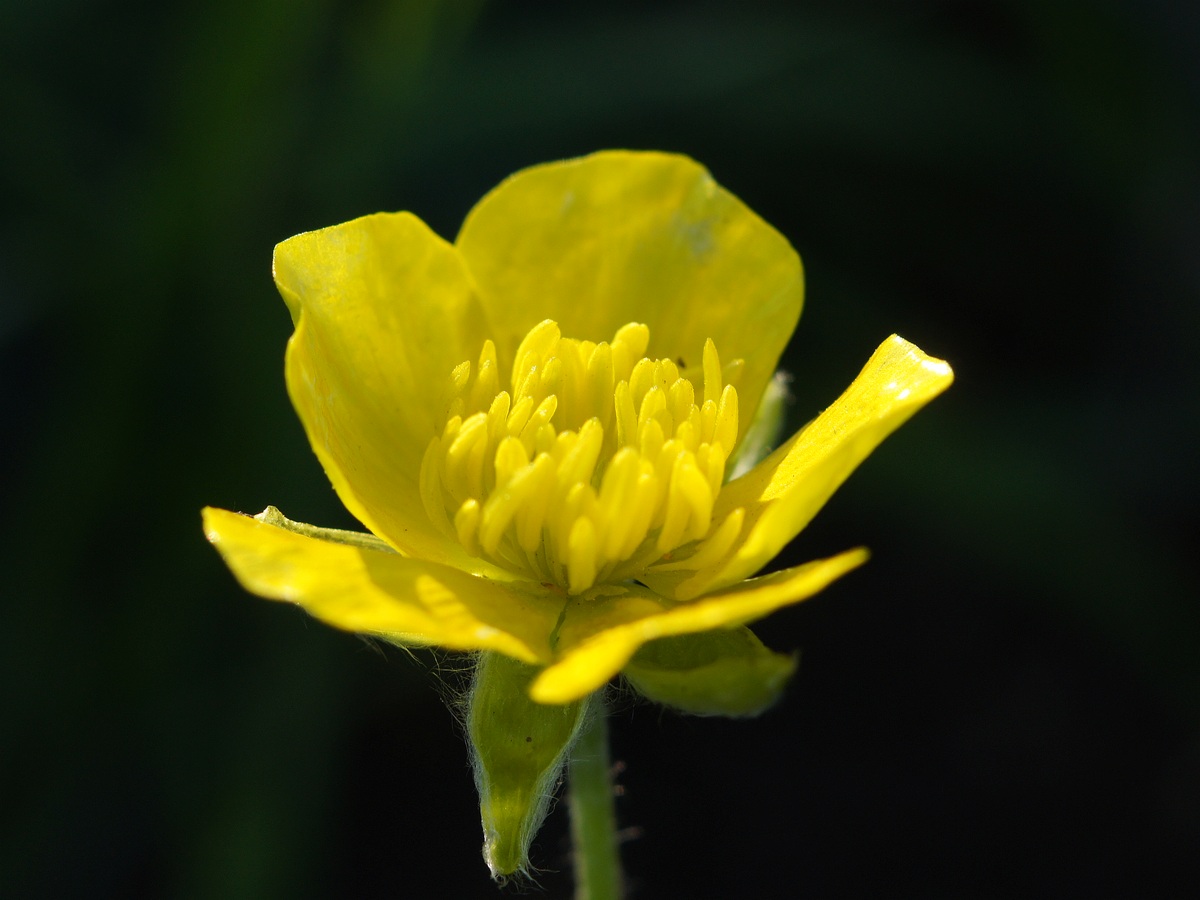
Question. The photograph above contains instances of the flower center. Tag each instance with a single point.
(599, 463)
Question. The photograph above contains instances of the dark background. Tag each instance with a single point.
(1002, 704)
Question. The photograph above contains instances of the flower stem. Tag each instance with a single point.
(593, 818)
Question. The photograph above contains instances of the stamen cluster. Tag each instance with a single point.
(595, 465)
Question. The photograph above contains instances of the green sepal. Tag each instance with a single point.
(363, 540)
(518, 749)
(713, 673)
(272, 516)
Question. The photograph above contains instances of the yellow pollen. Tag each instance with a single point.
(597, 463)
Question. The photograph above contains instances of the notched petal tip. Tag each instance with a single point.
(914, 371)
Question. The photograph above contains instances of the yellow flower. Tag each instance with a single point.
(538, 425)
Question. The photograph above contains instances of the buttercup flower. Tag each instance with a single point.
(538, 425)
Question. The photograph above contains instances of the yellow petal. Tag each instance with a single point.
(599, 633)
(380, 592)
(619, 237)
(783, 493)
(383, 311)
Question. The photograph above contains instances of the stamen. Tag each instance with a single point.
(599, 464)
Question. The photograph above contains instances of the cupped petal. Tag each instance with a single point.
(724, 672)
(384, 311)
(783, 493)
(621, 236)
(371, 591)
(601, 631)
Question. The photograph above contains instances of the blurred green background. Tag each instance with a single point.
(1002, 704)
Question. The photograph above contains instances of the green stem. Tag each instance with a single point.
(593, 818)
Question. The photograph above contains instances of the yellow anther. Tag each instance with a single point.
(654, 404)
(460, 376)
(651, 439)
(579, 462)
(550, 378)
(466, 526)
(431, 485)
(504, 503)
(525, 381)
(687, 436)
(487, 378)
(710, 551)
(497, 417)
(580, 502)
(581, 555)
(541, 416)
(726, 426)
(626, 415)
(641, 380)
(536, 346)
(596, 464)
(629, 345)
(617, 497)
(708, 420)
(681, 399)
(464, 459)
(640, 511)
(545, 439)
(511, 457)
(691, 484)
(666, 373)
(520, 414)
(695, 422)
(664, 466)
(710, 458)
(600, 382)
(675, 520)
(712, 372)
(538, 494)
